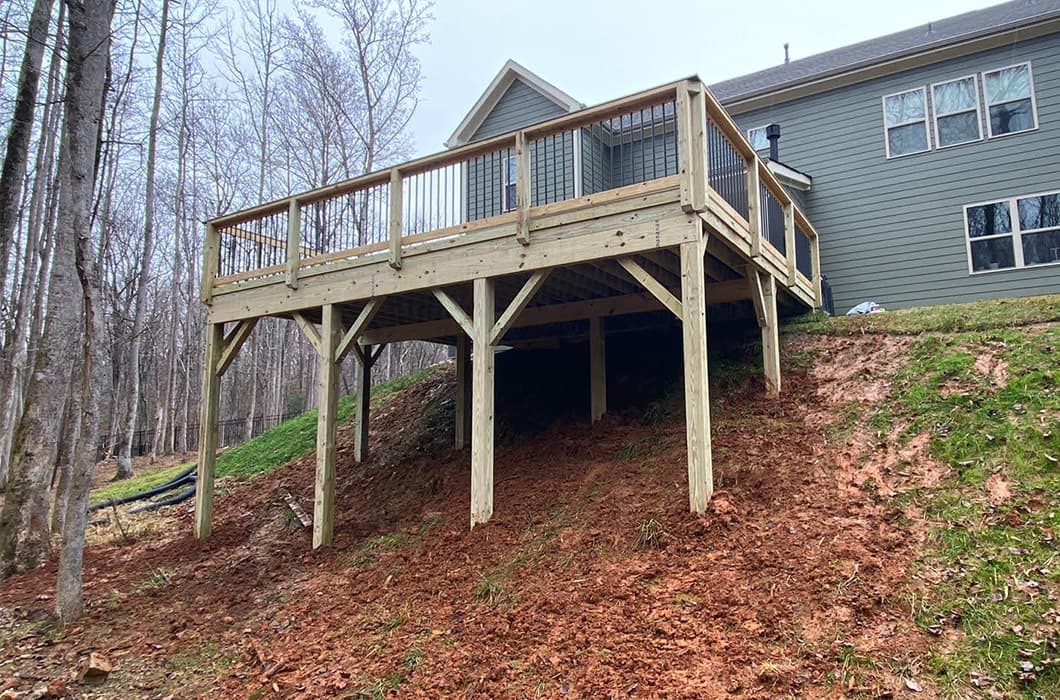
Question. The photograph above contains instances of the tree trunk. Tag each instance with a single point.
(125, 469)
(18, 136)
(87, 60)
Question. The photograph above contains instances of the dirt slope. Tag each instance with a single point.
(591, 581)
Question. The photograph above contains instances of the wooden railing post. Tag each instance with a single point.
(697, 136)
(522, 187)
(789, 238)
(815, 263)
(395, 218)
(211, 250)
(683, 119)
(294, 241)
(754, 206)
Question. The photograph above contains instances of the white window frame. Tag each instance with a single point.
(751, 141)
(974, 77)
(1016, 234)
(886, 128)
(987, 105)
(506, 182)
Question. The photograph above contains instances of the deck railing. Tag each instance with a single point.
(677, 133)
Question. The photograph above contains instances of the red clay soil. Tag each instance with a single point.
(592, 580)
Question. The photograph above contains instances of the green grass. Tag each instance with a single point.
(273, 448)
(994, 568)
(950, 318)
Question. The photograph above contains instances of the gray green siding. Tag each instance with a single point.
(519, 106)
(893, 230)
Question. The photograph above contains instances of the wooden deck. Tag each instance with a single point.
(426, 251)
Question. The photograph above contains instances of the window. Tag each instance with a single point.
(508, 168)
(956, 105)
(905, 120)
(757, 137)
(1012, 233)
(1009, 96)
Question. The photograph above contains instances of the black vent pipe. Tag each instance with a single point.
(773, 136)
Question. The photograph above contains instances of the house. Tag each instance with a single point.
(928, 159)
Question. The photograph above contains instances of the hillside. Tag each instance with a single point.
(886, 528)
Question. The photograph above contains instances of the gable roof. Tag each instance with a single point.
(500, 84)
(936, 34)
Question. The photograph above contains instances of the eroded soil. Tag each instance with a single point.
(592, 580)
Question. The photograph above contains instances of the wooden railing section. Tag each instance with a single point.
(678, 132)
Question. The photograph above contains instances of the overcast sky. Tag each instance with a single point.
(599, 50)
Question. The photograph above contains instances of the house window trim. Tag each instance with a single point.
(922, 89)
(750, 141)
(979, 101)
(1016, 234)
(505, 184)
(990, 135)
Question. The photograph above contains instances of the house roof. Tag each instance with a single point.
(936, 34)
(504, 79)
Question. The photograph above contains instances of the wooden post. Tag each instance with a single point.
(597, 369)
(395, 218)
(789, 239)
(482, 403)
(699, 177)
(683, 121)
(294, 242)
(697, 395)
(364, 402)
(754, 206)
(522, 187)
(211, 394)
(769, 320)
(211, 254)
(815, 261)
(463, 391)
(327, 406)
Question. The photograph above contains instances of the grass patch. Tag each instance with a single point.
(993, 565)
(949, 318)
(273, 448)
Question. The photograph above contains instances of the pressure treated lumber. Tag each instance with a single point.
(764, 297)
(597, 370)
(211, 394)
(327, 408)
(660, 292)
(482, 403)
(697, 395)
(463, 391)
(233, 342)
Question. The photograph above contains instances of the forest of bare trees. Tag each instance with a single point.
(128, 123)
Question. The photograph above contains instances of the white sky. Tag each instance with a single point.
(597, 50)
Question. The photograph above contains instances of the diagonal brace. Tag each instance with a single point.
(233, 342)
(657, 289)
(530, 288)
(455, 310)
(309, 330)
(359, 326)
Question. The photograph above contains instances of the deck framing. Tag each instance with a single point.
(670, 244)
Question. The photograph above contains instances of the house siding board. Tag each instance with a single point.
(519, 106)
(893, 230)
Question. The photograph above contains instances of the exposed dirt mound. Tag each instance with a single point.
(591, 581)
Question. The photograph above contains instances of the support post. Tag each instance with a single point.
(395, 218)
(482, 403)
(764, 297)
(294, 242)
(364, 402)
(597, 369)
(327, 406)
(463, 391)
(815, 261)
(699, 176)
(697, 395)
(211, 394)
